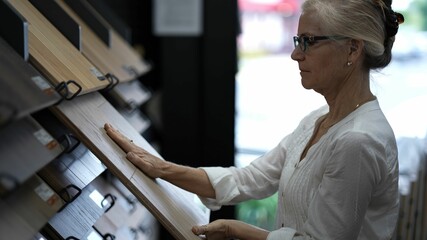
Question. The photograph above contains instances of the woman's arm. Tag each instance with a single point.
(191, 179)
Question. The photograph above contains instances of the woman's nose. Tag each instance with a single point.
(297, 54)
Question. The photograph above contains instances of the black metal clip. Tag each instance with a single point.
(66, 196)
(69, 146)
(72, 238)
(63, 90)
(112, 81)
(111, 204)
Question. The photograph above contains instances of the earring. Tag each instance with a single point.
(349, 63)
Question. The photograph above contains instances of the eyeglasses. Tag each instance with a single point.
(305, 41)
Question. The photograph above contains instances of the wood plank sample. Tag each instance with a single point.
(23, 89)
(60, 19)
(25, 147)
(133, 60)
(79, 168)
(100, 29)
(35, 202)
(78, 217)
(54, 56)
(140, 219)
(113, 19)
(93, 48)
(177, 210)
(130, 58)
(117, 216)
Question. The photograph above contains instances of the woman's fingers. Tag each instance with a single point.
(200, 230)
(146, 162)
(124, 143)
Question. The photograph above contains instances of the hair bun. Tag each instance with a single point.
(393, 19)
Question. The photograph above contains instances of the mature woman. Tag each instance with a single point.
(337, 173)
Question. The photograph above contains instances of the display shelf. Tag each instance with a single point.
(176, 209)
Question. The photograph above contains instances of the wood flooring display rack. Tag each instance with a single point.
(64, 72)
(412, 222)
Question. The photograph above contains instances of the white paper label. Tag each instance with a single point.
(43, 137)
(44, 192)
(96, 72)
(177, 17)
(41, 83)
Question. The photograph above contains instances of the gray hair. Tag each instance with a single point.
(372, 21)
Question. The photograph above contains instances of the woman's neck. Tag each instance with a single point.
(351, 95)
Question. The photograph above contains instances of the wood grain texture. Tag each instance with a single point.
(96, 50)
(78, 217)
(111, 16)
(53, 54)
(118, 214)
(60, 19)
(25, 147)
(140, 218)
(21, 86)
(133, 60)
(79, 168)
(129, 57)
(176, 209)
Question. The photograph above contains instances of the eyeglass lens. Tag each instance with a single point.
(300, 42)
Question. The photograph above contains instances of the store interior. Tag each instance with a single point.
(198, 83)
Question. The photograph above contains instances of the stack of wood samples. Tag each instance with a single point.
(55, 155)
(92, 47)
(412, 222)
(168, 203)
(25, 89)
(53, 55)
(130, 59)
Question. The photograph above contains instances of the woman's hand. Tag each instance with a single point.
(194, 180)
(151, 165)
(230, 229)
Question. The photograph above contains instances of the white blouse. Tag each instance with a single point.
(345, 188)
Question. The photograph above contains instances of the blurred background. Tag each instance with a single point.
(270, 101)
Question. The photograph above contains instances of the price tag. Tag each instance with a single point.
(45, 139)
(46, 193)
(43, 85)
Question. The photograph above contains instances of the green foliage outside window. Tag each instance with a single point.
(261, 213)
(416, 15)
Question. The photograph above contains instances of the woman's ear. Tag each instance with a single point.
(355, 50)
